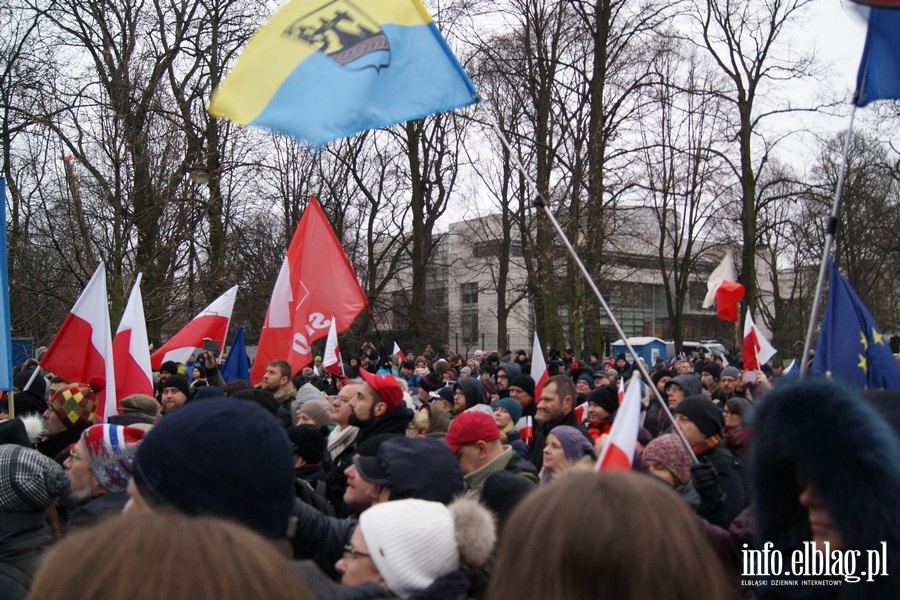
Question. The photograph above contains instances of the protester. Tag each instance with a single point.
(825, 468)
(566, 446)
(417, 549)
(616, 535)
(166, 555)
(507, 413)
(738, 416)
(556, 407)
(603, 404)
(71, 411)
(29, 484)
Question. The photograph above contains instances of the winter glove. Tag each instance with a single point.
(705, 480)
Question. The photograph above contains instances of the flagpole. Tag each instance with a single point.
(829, 242)
(541, 203)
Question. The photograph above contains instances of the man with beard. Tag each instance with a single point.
(98, 468)
(379, 407)
(277, 380)
(71, 411)
(555, 408)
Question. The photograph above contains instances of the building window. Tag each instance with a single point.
(469, 293)
(469, 313)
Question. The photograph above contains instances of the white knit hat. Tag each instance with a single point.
(412, 542)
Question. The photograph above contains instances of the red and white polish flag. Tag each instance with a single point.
(331, 358)
(619, 450)
(724, 291)
(211, 323)
(131, 350)
(538, 368)
(399, 352)
(82, 348)
(756, 349)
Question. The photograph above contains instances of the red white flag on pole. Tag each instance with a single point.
(621, 390)
(131, 350)
(619, 450)
(581, 413)
(756, 349)
(82, 348)
(211, 323)
(316, 279)
(724, 291)
(331, 358)
(399, 352)
(538, 368)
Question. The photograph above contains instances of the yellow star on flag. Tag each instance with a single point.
(862, 362)
(877, 337)
(864, 341)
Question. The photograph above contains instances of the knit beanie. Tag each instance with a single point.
(573, 441)
(77, 404)
(730, 372)
(29, 481)
(607, 397)
(587, 378)
(110, 450)
(704, 414)
(178, 382)
(414, 542)
(317, 410)
(714, 369)
(227, 458)
(172, 368)
(660, 374)
(511, 406)
(669, 451)
(525, 382)
(309, 443)
(306, 393)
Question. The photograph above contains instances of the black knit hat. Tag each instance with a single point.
(309, 443)
(607, 397)
(704, 414)
(525, 382)
(228, 458)
(179, 382)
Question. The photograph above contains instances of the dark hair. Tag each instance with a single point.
(642, 541)
(126, 554)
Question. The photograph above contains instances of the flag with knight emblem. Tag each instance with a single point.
(320, 70)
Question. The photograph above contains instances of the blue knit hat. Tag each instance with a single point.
(228, 458)
(511, 406)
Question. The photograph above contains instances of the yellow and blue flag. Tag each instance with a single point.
(6, 379)
(851, 347)
(320, 70)
(878, 77)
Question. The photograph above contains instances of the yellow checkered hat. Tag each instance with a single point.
(77, 403)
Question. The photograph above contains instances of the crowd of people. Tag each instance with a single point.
(436, 477)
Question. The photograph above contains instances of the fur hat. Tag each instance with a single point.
(110, 450)
(703, 413)
(668, 451)
(77, 404)
(414, 542)
(423, 468)
(511, 406)
(574, 443)
(525, 382)
(29, 481)
(180, 464)
(317, 410)
(309, 443)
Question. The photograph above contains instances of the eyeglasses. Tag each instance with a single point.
(354, 553)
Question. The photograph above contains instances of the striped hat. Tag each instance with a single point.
(110, 452)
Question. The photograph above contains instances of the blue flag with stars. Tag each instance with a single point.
(236, 364)
(850, 345)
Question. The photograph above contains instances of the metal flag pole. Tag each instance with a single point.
(830, 234)
(541, 203)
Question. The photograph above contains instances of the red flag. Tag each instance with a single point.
(316, 279)
(131, 350)
(618, 452)
(399, 352)
(210, 324)
(756, 349)
(538, 368)
(621, 390)
(331, 358)
(723, 290)
(82, 348)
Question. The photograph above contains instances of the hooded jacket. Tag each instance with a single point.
(820, 431)
(474, 392)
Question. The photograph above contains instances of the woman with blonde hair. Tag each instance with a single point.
(621, 535)
(166, 555)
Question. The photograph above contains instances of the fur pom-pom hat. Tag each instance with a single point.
(414, 542)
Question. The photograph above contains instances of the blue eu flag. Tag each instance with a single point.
(236, 366)
(878, 77)
(851, 346)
